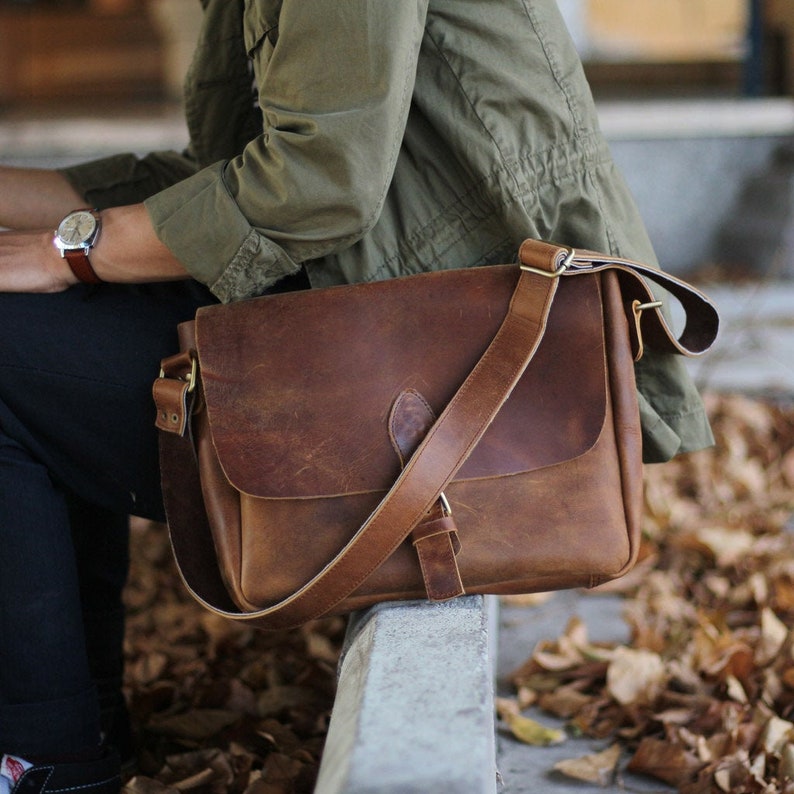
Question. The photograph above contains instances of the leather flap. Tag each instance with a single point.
(299, 386)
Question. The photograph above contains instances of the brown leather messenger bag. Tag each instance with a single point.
(463, 431)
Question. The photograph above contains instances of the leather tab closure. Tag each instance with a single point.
(436, 538)
(410, 419)
(171, 399)
(173, 392)
(436, 543)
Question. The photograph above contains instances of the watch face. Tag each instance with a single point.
(77, 228)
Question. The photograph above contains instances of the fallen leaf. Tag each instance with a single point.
(147, 785)
(787, 762)
(595, 768)
(727, 545)
(564, 701)
(507, 708)
(635, 676)
(280, 767)
(773, 635)
(736, 690)
(776, 735)
(665, 761)
(531, 732)
(195, 725)
(274, 700)
(526, 697)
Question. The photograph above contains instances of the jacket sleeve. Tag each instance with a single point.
(334, 90)
(128, 179)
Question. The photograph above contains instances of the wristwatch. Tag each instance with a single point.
(75, 236)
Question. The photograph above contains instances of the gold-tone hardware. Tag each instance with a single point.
(554, 273)
(446, 508)
(641, 307)
(191, 378)
(193, 372)
(638, 308)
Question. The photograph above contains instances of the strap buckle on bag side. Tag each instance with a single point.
(637, 308)
(173, 392)
(437, 544)
(435, 538)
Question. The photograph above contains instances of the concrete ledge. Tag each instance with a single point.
(687, 163)
(696, 118)
(414, 711)
(157, 127)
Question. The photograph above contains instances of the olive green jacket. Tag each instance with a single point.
(365, 139)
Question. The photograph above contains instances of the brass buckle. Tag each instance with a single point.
(191, 378)
(637, 309)
(641, 307)
(567, 262)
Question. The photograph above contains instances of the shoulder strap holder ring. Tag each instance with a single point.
(559, 270)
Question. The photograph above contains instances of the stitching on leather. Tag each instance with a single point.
(439, 595)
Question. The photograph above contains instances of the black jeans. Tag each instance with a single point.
(78, 454)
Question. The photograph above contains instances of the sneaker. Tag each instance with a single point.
(11, 769)
(101, 776)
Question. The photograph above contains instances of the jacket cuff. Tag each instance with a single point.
(664, 437)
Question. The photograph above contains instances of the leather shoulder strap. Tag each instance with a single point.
(701, 317)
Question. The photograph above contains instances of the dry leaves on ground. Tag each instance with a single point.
(219, 707)
(702, 697)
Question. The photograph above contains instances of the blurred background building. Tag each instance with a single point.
(51, 49)
(81, 51)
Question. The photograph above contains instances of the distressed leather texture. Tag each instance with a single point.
(312, 405)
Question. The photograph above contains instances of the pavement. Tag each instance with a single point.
(414, 712)
(523, 769)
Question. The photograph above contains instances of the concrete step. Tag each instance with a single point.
(687, 163)
(414, 712)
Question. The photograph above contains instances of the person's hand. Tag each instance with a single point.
(33, 202)
(127, 251)
(30, 262)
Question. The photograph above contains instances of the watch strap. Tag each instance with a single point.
(81, 267)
